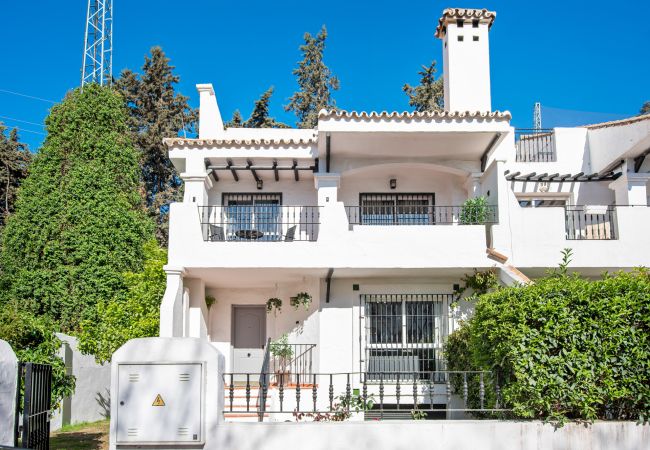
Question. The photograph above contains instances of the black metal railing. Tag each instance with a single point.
(35, 385)
(421, 215)
(324, 396)
(291, 360)
(591, 223)
(535, 145)
(259, 223)
(264, 382)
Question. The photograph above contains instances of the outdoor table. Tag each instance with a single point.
(249, 234)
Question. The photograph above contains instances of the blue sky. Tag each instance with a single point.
(572, 56)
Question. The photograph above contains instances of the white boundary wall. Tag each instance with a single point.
(456, 435)
(90, 401)
(8, 380)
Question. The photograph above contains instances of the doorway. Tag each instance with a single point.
(248, 338)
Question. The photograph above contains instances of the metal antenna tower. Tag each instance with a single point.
(537, 116)
(97, 66)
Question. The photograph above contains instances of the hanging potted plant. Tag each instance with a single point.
(273, 304)
(302, 298)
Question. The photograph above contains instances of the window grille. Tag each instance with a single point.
(401, 209)
(403, 333)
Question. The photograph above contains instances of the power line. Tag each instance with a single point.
(23, 121)
(26, 96)
(30, 131)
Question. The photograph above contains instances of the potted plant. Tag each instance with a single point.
(283, 351)
(474, 211)
(209, 301)
(302, 298)
(273, 304)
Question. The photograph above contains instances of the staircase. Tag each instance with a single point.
(240, 411)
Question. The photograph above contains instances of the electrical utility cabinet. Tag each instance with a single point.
(160, 403)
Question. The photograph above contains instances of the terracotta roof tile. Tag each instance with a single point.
(616, 123)
(363, 115)
(450, 14)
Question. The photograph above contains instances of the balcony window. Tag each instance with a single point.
(253, 216)
(541, 202)
(397, 209)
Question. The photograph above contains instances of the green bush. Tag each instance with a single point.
(475, 211)
(564, 347)
(33, 340)
(131, 314)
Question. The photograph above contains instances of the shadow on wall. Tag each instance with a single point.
(104, 402)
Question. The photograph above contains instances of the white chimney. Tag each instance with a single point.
(210, 122)
(466, 58)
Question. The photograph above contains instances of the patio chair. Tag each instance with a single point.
(291, 233)
(216, 233)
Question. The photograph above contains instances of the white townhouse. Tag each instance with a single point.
(360, 228)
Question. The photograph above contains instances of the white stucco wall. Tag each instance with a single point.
(90, 401)
(457, 435)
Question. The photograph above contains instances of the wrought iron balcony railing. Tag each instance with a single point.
(421, 215)
(259, 223)
(535, 145)
(591, 222)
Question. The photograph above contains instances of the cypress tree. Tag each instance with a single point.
(156, 112)
(259, 118)
(429, 94)
(79, 221)
(14, 161)
(315, 82)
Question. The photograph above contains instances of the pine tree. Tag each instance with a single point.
(156, 112)
(645, 109)
(237, 120)
(315, 82)
(79, 222)
(429, 94)
(259, 118)
(14, 161)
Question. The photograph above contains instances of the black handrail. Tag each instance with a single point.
(264, 382)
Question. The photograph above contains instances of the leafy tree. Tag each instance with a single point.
(156, 112)
(645, 109)
(33, 340)
(315, 82)
(133, 313)
(429, 94)
(79, 221)
(563, 348)
(14, 161)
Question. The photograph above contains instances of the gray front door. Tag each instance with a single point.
(249, 335)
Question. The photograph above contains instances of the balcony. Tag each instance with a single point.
(535, 145)
(590, 223)
(259, 222)
(416, 209)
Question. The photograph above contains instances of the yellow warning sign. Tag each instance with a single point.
(158, 401)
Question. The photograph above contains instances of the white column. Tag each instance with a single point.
(8, 380)
(197, 180)
(171, 307)
(333, 220)
(197, 311)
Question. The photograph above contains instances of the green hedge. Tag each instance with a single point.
(564, 347)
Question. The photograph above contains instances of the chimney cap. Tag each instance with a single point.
(453, 14)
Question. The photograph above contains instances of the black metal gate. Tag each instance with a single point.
(35, 383)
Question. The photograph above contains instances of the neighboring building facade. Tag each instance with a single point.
(366, 215)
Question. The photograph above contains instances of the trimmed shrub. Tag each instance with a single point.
(564, 347)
